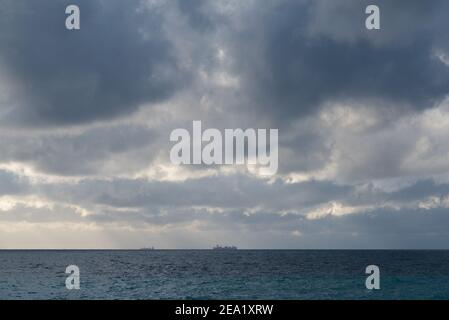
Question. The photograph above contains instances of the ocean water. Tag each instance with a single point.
(207, 274)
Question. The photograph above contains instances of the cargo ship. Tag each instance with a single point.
(217, 247)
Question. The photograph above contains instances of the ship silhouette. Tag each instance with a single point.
(217, 247)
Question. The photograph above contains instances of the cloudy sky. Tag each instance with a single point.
(86, 116)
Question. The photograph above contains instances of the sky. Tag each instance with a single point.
(86, 116)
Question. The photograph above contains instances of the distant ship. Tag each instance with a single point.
(217, 247)
(149, 248)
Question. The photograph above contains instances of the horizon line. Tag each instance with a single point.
(238, 249)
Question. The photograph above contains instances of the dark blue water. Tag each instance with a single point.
(208, 274)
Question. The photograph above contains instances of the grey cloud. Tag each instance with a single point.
(198, 14)
(290, 71)
(139, 204)
(119, 60)
(236, 196)
(58, 213)
(392, 229)
(11, 184)
(228, 192)
(420, 190)
(86, 153)
(401, 21)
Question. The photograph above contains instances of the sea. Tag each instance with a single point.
(230, 275)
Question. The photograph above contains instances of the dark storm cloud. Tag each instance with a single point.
(118, 60)
(305, 148)
(198, 16)
(290, 56)
(291, 69)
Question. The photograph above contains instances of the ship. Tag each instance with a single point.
(217, 247)
(148, 248)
